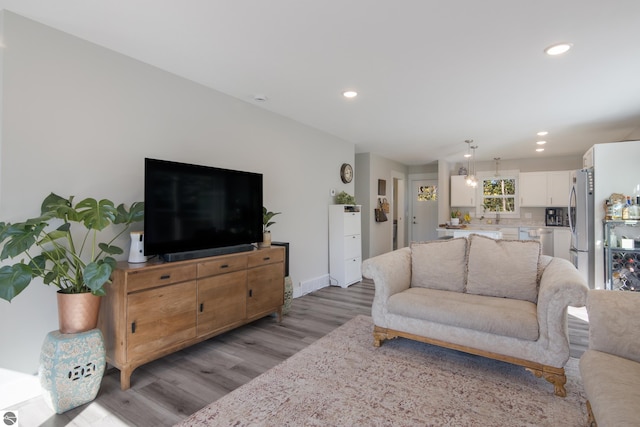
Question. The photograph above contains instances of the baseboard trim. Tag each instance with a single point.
(310, 285)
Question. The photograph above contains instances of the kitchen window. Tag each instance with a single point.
(499, 195)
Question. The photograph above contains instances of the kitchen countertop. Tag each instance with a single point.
(472, 226)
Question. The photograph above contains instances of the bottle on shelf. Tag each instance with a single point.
(634, 210)
(608, 210)
(625, 208)
(616, 210)
(613, 239)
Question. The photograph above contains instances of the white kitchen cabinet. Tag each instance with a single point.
(510, 233)
(533, 189)
(587, 158)
(543, 189)
(345, 245)
(558, 187)
(462, 195)
(562, 243)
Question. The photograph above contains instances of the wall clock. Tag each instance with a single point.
(346, 173)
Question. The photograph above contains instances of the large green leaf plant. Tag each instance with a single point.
(73, 264)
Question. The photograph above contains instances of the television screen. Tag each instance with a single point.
(190, 207)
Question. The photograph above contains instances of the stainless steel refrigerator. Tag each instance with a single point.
(581, 222)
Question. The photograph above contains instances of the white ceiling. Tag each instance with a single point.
(430, 73)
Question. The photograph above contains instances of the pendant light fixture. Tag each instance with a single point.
(471, 179)
(497, 159)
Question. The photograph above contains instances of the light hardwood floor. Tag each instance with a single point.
(167, 390)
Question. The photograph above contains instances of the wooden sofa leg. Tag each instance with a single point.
(555, 376)
(558, 382)
(379, 335)
(591, 420)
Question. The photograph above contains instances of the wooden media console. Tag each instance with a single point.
(154, 309)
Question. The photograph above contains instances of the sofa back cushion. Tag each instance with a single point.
(503, 268)
(439, 264)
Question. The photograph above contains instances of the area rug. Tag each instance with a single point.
(342, 380)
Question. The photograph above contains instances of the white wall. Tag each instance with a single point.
(377, 236)
(79, 119)
(363, 180)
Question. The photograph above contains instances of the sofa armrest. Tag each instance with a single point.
(391, 273)
(561, 285)
(614, 324)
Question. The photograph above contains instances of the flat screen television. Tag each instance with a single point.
(193, 211)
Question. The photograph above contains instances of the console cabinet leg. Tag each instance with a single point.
(125, 378)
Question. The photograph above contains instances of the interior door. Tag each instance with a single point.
(398, 214)
(424, 210)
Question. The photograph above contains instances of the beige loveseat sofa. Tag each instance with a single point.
(495, 298)
(610, 368)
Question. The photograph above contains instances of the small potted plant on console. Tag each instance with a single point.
(266, 223)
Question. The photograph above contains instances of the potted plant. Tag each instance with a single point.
(266, 223)
(344, 198)
(455, 217)
(79, 265)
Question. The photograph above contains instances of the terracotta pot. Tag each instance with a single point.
(77, 312)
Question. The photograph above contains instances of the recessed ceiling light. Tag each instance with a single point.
(541, 142)
(558, 49)
(349, 93)
(539, 150)
(542, 133)
(260, 97)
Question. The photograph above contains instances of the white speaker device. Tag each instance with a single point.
(136, 253)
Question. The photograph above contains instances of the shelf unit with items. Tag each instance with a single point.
(622, 255)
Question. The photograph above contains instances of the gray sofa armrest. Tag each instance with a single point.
(614, 323)
(391, 273)
(561, 285)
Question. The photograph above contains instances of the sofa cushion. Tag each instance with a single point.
(611, 385)
(614, 323)
(503, 268)
(439, 264)
(499, 316)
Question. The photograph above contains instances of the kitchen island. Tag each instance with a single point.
(494, 231)
(555, 240)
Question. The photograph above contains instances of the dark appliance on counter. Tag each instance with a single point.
(554, 217)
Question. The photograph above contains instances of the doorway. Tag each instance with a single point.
(424, 210)
(399, 226)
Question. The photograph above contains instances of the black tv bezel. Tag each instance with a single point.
(178, 250)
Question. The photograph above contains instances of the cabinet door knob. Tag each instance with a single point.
(250, 292)
(133, 327)
(201, 307)
(165, 277)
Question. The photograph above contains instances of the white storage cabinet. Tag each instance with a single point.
(462, 195)
(543, 189)
(562, 243)
(533, 189)
(345, 245)
(558, 188)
